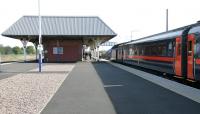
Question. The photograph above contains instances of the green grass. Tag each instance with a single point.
(13, 57)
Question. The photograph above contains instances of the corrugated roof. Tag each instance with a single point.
(60, 26)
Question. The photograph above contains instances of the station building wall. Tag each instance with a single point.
(62, 50)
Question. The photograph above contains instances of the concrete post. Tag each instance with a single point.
(97, 47)
(97, 53)
(91, 50)
(0, 61)
(82, 54)
(24, 42)
(40, 50)
(36, 51)
(93, 54)
(24, 54)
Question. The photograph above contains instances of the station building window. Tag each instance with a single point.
(58, 50)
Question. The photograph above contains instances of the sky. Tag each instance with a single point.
(125, 17)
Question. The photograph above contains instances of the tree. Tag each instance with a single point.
(30, 50)
(8, 50)
(16, 50)
(2, 50)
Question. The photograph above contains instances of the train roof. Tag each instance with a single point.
(195, 29)
(164, 35)
(120, 44)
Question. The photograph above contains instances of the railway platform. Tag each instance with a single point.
(109, 88)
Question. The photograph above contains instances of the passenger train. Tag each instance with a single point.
(175, 52)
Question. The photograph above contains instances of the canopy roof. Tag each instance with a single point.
(27, 26)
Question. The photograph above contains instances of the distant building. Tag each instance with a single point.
(62, 37)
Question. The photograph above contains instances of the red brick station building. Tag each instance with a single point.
(63, 38)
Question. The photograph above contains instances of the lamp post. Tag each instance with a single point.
(167, 20)
(40, 38)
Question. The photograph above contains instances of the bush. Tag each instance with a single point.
(8, 50)
(16, 50)
(2, 51)
(30, 50)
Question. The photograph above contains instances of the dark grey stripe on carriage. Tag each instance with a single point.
(167, 67)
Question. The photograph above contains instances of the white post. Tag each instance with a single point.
(24, 42)
(0, 61)
(40, 23)
(167, 20)
(24, 54)
(83, 50)
(82, 53)
(98, 44)
(93, 53)
(40, 38)
(96, 53)
(36, 56)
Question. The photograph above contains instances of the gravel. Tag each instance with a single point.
(29, 93)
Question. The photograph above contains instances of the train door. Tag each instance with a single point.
(190, 56)
(122, 56)
(125, 49)
(178, 57)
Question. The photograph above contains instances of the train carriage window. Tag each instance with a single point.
(154, 50)
(147, 50)
(159, 50)
(198, 49)
(133, 51)
(189, 48)
(164, 52)
(170, 49)
(136, 50)
(130, 51)
(140, 50)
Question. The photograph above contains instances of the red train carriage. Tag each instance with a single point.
(193, 53)
(175, 52)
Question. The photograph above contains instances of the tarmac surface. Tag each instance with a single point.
(81, 93)
(100, 88)
(11, 69)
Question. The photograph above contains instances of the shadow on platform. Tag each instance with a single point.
(131, 94)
